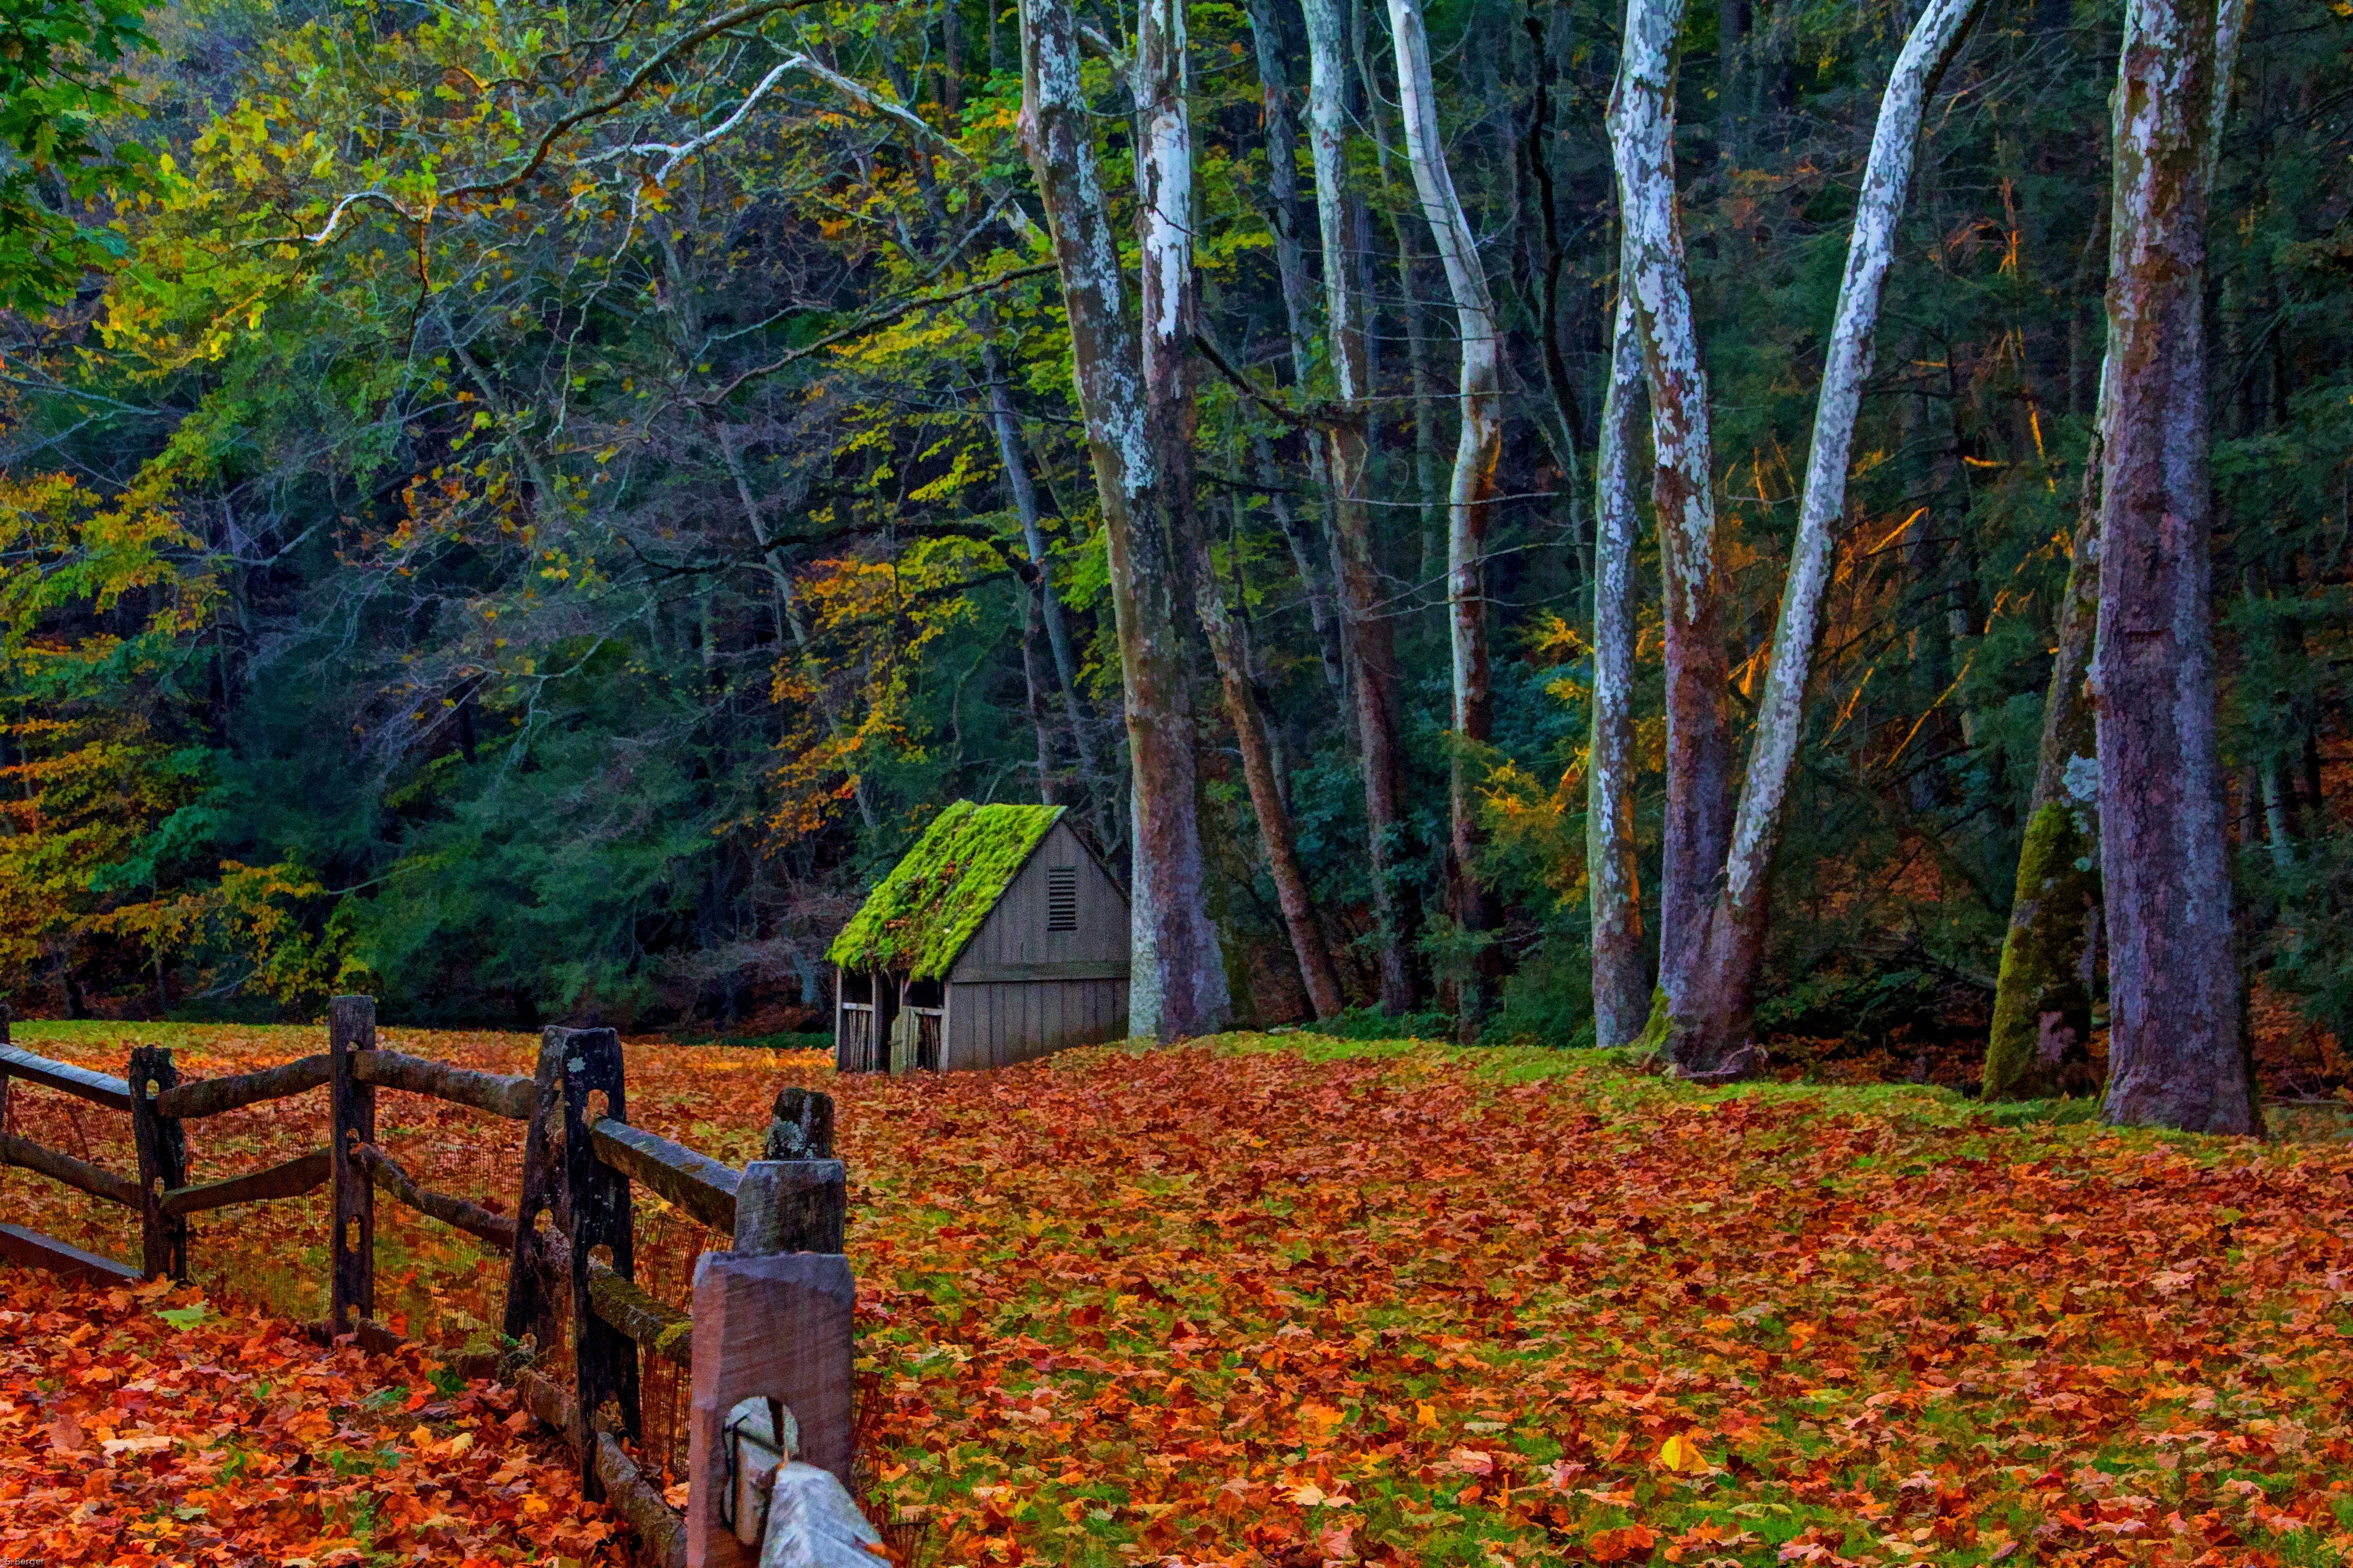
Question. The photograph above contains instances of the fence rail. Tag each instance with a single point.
(772, 1318)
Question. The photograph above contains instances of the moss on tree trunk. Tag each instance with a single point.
(2042, 1010)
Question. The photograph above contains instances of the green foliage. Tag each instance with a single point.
(56, 85)
(919, 918)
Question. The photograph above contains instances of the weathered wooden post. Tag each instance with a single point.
(779, 1329)
(597, 1213)
(6, 1014)
(162, 1163)
(536, 1284)
(774, 1321)
(350, 1028)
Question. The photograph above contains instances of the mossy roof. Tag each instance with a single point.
(920, 916)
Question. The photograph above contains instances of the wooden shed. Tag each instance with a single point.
(1002, 935)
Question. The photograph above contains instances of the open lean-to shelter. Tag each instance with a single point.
(1000, 937)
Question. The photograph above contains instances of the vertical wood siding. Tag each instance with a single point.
(996, 1023)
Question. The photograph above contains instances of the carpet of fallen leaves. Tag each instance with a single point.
(1279, 1305)
(147, 1426)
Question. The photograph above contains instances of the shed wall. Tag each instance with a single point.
(992, 1022)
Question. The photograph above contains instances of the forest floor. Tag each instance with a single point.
(1288, 1301)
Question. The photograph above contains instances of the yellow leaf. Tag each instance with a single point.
(1679, 1453)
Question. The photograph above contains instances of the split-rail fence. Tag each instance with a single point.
(767, 1345)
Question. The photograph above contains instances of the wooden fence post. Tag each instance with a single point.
(351, 1027)
(6, 1016)
(597, 1216)
(162, 1163)
(797, 1199)
(535, 1315)
(777, 1328)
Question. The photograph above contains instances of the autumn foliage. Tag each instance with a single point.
(1267, 1303)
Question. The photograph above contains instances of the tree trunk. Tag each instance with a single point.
(2177, 1047)
(2042, 1010)
(1711, 1026)
(2042, 996)
(1621, 991)
(1179, 988)
(1368, 641)
(1033, 539)
(1171, 309)
(1699, 737)
(1309, 551)
(1470, 508)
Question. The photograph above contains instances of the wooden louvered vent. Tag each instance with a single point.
(1061, 898)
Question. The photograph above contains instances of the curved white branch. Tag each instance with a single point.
(1871, 250)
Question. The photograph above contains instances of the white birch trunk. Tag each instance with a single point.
(1367, 642)
(1698, 817)
(1179, 983)
(1327, 146)
(1621, 998)
(1471, 495)
(1641, 130)
(1871, 250)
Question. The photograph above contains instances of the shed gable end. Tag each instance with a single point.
(1061, 908)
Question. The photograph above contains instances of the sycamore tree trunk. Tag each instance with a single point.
(1179, 978)
(1682, 491)
(1711, 1034)
(1470, 506)
(2043, 1002)
(1171, 300)
(1367, 639)
(1309, 553)
(1622, 990)
(2176, 1050)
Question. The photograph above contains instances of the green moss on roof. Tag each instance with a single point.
(919, 917)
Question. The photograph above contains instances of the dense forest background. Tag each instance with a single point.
(543, 503)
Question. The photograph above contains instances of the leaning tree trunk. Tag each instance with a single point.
(2177, 1048)
(1363, 618)
(1711, 1035)
(1172, 306)
(2042, 1000)
(1024, 493)
(1179, 988)
(1682, 491)
(1621, 991)
(1471, 502)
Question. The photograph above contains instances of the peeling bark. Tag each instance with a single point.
(1622, 987)
(2177, 1051)
(1470, 499)
(1171, 311)
(1714, 1015)
(1654, 274)
(1180, 989)
(1367, 639)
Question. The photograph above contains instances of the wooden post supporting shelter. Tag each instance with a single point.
(350, 1028)
(777, 1328)
(163, 1164)
(597, 1217)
